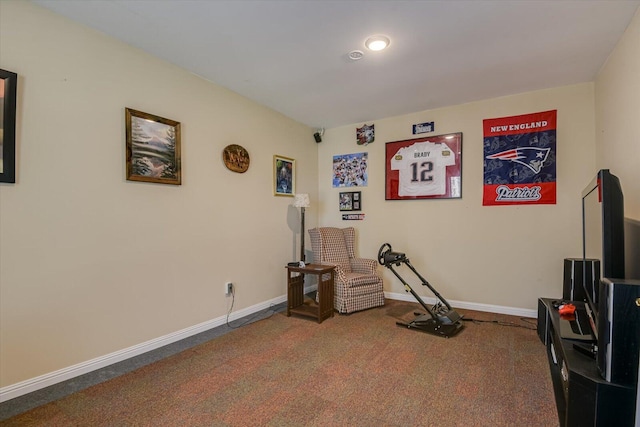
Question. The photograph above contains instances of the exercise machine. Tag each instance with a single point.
(441, 319)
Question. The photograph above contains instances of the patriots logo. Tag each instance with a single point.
(366, 134)
(531, 157)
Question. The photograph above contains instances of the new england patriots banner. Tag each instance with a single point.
(520, 160)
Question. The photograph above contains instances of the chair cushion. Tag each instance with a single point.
(355, 280)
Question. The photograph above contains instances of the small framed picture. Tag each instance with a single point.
(8, 93)
(350, 170)
(350, 200)
(284, 176)
(153, 148)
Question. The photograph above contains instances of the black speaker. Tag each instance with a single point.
(619, 330)
(317, 137)
(543, 322)
(574, 270)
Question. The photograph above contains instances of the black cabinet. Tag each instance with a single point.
(583, 397)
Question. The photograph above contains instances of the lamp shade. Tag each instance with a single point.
(301, 201)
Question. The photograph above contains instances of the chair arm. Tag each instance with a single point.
(339, 273)
(364, 265)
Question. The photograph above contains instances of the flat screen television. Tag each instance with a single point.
(631, 249)
(603, 227)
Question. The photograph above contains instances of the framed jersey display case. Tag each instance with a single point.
(424, 168)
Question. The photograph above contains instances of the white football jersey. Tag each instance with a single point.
(423, 168)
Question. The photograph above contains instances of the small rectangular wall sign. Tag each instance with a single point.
(352, 217)
(425, 127)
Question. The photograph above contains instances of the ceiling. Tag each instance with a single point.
(292, 55)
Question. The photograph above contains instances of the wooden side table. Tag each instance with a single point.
(296, 303)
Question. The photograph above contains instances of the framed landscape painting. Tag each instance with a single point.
(153, 148)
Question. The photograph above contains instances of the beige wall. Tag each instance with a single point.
(502, 256)
(91, 263)
(617, 116)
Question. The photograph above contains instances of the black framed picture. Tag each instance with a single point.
(350, 200)
(8, 94)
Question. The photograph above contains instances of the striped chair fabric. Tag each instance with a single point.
(357, 283)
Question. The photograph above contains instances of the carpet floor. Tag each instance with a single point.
(357, 370)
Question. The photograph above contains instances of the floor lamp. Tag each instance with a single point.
(301, 201)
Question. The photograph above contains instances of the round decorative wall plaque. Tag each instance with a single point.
(235, 158)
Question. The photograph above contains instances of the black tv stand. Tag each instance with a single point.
(583, 397)
(588, 349)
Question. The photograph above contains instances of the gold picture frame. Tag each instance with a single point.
(153, 148)
(284, 176)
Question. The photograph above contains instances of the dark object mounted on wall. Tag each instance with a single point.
(318, 135)
(8, 95)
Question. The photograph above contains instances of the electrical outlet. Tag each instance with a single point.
(228, 288)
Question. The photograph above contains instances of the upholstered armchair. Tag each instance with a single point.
(357, 284)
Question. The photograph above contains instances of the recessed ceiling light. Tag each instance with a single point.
(377, 42)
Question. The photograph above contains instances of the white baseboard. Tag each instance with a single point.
(513, 311)
(46, 380)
